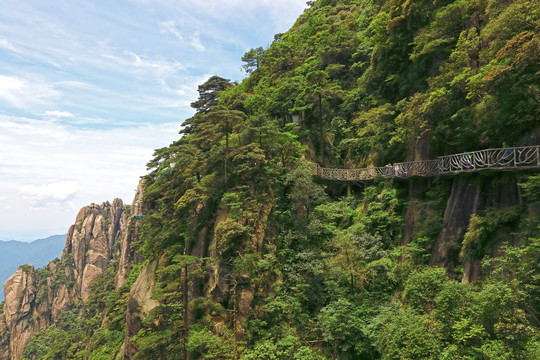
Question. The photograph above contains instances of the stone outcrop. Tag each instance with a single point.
(101, 234)
(20, 293)
(472, 197)
(129, 254)
(4, 336)
(139, 305)
(501, 192)
(90, 241)
(462, 203)
(418, 150)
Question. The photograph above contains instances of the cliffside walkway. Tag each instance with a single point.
(510, 158)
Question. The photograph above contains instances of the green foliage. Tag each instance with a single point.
(343, 326)
(294, 271)
(288, 347)
(405, 334)
(531, 187)
(380, 212)
(422, 287)
(253, 59)
(210, 346)
(165, 333)
(481, 229)
(209, 93)
(304, 194)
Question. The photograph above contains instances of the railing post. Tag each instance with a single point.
(538, 155)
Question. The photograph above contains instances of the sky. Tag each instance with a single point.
(88, 90)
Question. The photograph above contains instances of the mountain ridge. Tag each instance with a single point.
(14, 253)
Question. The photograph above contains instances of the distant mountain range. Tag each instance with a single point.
(38, 253)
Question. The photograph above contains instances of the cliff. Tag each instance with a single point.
(243, 254)
(102, 235)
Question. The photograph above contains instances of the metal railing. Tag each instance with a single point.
(495, 159)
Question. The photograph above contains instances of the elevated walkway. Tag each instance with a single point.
(510, 158)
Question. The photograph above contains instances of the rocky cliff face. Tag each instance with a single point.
(90, 241)
(463, 202)
(35, 299)
(128, 253)
(4, 336)
(139, 306)
(472, 197)
(20, 293)
(108, 233)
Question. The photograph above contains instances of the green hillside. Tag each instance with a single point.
(258, 259)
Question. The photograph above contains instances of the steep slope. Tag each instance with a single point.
(36, 299)
(245, 255)
(289, 264)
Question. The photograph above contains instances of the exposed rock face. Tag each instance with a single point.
(468, 198)
(463, 202)
(418, 150)
(215, 286)
(101, 234)
(500, 192)
(413, 209)
(88, 251)
(139, 306)
(20, 293)
(4, 337)
(90, 241)
(130, 235)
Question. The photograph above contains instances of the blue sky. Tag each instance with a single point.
(88, 89)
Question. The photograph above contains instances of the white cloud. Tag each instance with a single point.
(8, 85)
(61, 191)
(144, 69)
(58, 114)
(195, 41)
(280, 13)
(6, 44)
(74, 84)
(170, 27)
(51, 170)
(159, 67)
(26, 93)
(102, 89)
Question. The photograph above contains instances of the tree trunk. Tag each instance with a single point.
(185, 300)
(226, 156)
(321, 149)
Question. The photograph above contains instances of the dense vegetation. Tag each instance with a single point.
(329, 276)
(90, 330)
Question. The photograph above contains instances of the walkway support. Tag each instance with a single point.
(523, 157)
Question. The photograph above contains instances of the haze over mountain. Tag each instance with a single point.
(38, 253)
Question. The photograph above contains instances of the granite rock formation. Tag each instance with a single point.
(101, 234)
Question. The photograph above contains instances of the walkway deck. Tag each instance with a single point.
(515, 158)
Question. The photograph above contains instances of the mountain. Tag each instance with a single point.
(38, 252)
(234, 247)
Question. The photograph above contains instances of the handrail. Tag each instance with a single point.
(496, 159)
